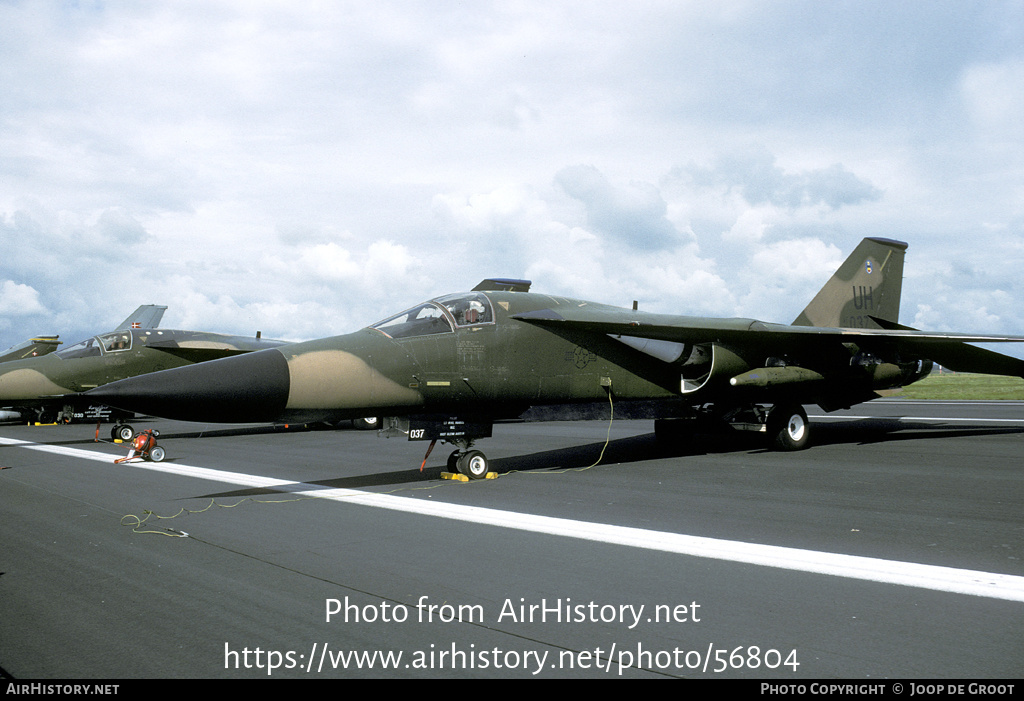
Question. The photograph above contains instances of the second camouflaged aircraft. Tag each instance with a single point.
(49, 387)
(448, 368)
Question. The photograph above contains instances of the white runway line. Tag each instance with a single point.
(935, 419)
(947, 579)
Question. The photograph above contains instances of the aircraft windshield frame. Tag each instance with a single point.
(116, 341)
(113, 342)
(88, 348)
(422, 320)
(440, 315)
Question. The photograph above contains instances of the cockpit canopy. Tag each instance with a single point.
(90, 347)
(441, 315)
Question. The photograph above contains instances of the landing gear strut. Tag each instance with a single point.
(785, 425)
(470, 464)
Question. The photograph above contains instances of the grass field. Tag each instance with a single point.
(965, 386)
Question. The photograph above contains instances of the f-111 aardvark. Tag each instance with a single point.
(448, 368)
(50, 387)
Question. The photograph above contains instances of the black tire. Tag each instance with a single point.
(453, 461)
(474, 465)
(366, 424)
(122, 432)
(788, 427)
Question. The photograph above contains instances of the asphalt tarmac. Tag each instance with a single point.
(893, 548)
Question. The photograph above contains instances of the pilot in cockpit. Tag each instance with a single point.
(474, 313)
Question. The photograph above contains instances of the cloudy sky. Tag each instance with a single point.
(307, 168)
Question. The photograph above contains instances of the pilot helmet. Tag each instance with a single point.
(475, 312)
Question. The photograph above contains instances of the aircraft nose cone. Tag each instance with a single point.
(246, 388)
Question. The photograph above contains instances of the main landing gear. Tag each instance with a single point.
(785, 425)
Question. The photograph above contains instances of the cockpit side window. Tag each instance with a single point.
(116, 341)
(468, 309)
(85, 349)
(426, 319)
(471, 309)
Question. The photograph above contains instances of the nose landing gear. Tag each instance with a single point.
(471, 464)
(463, 463)
(121, 432)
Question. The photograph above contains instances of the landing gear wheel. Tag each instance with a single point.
(367, 423)
(157, 454)
(788, 427)
(453, 461)
(122, 432)
(473, 464)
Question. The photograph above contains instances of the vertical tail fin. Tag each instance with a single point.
(867, 284)
(40, 345)
(147, 316)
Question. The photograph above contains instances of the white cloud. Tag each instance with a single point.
(19, 300)
(993, 95)
(307, 169)
(784, 276)
(634, 214)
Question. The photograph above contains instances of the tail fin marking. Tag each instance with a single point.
(868, 284)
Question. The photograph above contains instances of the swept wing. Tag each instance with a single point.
(947, 348)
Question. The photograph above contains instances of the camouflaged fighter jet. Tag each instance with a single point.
(32, 348)
(448, 368)
(145, 317)
(49, 387)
